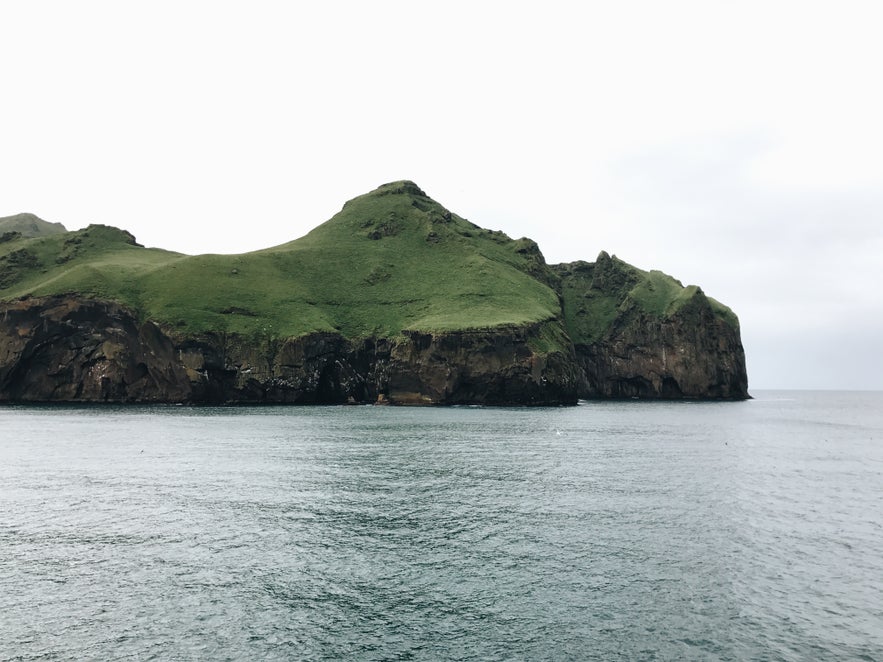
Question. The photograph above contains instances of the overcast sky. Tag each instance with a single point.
(737, 146)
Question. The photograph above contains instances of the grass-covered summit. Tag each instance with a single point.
(390, 260)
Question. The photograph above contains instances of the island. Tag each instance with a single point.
(394, 300)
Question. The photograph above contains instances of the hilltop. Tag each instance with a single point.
(27, 225)
(394, 298)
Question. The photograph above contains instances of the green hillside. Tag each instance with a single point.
(391, 260)
(595, 294)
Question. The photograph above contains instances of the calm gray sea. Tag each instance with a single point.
(628, 530)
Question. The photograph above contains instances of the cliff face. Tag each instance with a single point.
(643, 335)
(69, 349)
(78, 350)
(691, 354)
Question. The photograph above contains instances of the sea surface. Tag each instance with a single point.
(610, 531)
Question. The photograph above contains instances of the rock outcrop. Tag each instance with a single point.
(633, 341)
(70, 349)
(691, 354)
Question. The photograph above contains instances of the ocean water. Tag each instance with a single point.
(616, 530)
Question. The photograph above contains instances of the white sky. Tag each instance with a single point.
(737, 146)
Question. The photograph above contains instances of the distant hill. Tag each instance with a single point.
(407, 301)
(29, 225)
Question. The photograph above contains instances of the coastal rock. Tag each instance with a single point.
(65, 349)
(691, 354)
(68, 349)
(640, 335)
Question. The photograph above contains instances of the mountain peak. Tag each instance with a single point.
(402, 187)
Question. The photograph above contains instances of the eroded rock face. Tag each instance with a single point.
(68, 349)
(72, 349)
(692, 354)
(486, 367)
(637, 335)
(64, 349)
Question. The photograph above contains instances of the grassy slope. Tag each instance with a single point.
(390, 260)
(594, 294)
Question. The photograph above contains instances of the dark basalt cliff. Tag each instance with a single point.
(67, 349)
(691, 354)
(581, 330)
(689, 349)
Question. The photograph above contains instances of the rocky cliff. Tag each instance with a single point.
(394, 300)
(644, 335)
(69, 349)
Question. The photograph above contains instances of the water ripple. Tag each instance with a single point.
(607, 531)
